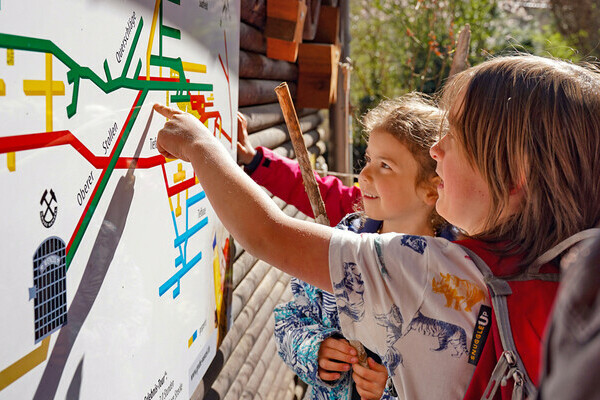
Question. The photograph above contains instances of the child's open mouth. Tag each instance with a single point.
(369, 196)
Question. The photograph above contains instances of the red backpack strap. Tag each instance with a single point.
(510, 365)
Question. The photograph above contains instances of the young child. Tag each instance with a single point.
(519, 171)
(282, 177)
(398, 184)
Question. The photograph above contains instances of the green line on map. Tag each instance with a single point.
(77, 72)
(102, 184)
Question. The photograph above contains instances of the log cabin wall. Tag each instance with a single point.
(247, 365)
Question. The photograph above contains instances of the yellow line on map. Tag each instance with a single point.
(47, 88)
(11, 161)
(2, 88)
(24, 365)
(193, 67)
(151, 38)
(10, 57)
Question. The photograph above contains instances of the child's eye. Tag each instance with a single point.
(367, 159)
(384, 165)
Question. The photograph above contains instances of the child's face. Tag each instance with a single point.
(387, 181)
(464, 198)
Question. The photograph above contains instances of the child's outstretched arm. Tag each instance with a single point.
(297, 247)
(283, 178)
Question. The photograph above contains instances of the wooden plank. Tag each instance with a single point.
(311, 139)
(255, 91)
(277, 135)
(260, 273)
(461, 52)
(248, 391)
(312, 18)
(282, 49)
(316, 149)
(285, 19)
(257, 331)
(267, 115)
(254, 12)
(270, 376)
(253, 65)
(317, 78)
(251, 39)
(328, 26)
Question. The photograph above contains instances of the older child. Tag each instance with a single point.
(399, 192)
(519, 174)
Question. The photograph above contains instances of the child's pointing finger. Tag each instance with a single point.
(165, 111)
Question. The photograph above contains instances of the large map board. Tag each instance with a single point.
(112, 258)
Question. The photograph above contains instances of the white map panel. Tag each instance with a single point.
(113, 260)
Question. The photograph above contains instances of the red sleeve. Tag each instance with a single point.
(282, 177)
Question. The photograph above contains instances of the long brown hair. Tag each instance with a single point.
(532, 123)
(415, 121)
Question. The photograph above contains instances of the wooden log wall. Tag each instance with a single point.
(247, 365)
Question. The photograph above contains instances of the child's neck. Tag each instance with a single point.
(421, 228)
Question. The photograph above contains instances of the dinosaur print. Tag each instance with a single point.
(458, 292)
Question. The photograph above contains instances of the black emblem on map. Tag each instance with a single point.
(50, 204)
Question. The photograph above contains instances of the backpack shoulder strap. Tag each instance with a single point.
(510, 364)
(533, 271)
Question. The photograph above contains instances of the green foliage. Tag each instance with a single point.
(403, 45)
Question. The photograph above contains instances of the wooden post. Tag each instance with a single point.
(308, 177)
(461, 53)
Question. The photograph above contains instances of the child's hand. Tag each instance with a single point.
(182, 130)
(370, 382)
(335, 356)
(245, 151)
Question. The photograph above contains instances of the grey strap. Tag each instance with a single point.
(510, 364)
(559, 248)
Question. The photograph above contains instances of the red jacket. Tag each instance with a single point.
(529, 307)
(282, 177)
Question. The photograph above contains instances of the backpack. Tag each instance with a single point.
(539, 285)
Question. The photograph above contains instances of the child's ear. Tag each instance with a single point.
(430, 194)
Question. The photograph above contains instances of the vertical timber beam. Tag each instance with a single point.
(340, 153)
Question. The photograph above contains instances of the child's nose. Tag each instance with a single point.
(364, 174)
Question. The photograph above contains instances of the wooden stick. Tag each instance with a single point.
(461, 53)
(308, 178)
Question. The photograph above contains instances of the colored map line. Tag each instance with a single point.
(226, 72)
(62, 138)
(192, 338)
(90, 207)
(151, 38)
(77, 72)
(25, 364)
(47, 88)
(175, 280)
(178, 188)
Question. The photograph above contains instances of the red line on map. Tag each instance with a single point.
(63, 138)
(225, 71)
(87, 206)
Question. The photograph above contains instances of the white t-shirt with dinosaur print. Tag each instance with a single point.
(415, 301)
